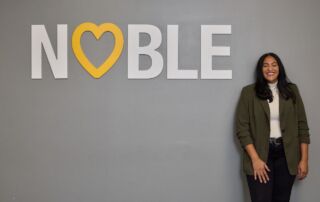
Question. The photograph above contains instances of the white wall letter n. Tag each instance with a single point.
(59, 63)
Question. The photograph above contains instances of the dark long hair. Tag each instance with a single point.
(261, 85)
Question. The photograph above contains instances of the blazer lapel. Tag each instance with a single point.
(282, 104)
(266, 109)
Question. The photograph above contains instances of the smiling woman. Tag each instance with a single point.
(272, 128)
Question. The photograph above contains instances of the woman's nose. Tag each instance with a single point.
(270, 68)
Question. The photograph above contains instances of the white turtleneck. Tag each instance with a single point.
(275, 130)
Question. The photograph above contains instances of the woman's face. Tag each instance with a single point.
(270, 69)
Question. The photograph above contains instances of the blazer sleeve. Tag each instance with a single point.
(243, 120)
(303, 128)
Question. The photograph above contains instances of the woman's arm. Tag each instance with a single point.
(303, 164)
(303, 128)
(244, 135)
(242, 120)
(304, 136)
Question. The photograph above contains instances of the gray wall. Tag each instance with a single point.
(157, 140)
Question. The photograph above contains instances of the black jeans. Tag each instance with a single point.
(278, 188)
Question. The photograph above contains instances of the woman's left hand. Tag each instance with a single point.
(302, 169)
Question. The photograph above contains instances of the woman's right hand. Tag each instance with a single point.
(260, 169)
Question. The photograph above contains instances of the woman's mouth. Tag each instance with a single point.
(270, 73)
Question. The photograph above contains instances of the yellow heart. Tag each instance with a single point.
(97, 31)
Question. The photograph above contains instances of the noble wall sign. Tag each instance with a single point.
(59, 62)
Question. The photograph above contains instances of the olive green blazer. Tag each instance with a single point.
(253, 126)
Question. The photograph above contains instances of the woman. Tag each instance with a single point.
(272, 128)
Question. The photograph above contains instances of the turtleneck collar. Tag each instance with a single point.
(273, 85)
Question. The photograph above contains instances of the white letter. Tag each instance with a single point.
(207, 51)
(172, 56)
(59, 64)
(134, 50)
